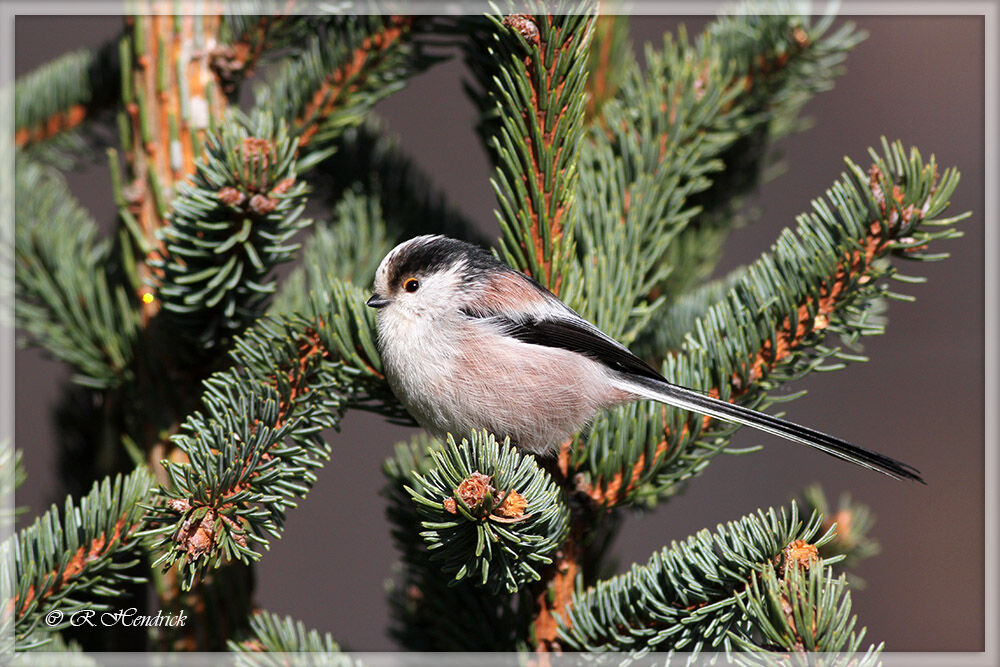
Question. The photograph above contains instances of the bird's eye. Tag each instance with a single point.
(411, 284)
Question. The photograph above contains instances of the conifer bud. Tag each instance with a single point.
(800, 553)
(513, 506)
(475, 490)
(524, 25)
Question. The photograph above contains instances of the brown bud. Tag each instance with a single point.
(255, 153)
(475, 489)
(800, 552)
(821, 322)
(197, 537)
(525, 25)
(844, 519)
(449, 506)
(801, 37)
(513, 506)
(284, 186)
(262, 205)
(256, 145)
(231, 196)
(178, 504)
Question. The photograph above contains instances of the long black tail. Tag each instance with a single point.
(689, 399)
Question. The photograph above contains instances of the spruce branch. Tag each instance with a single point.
(270, 633)
(251, 453)
(425, 599)
(656, 147)
(772, 326)
(340, 74)
(70, 298)
(853, 521)
(796, 613)
(64, 93)
(780, 62)
(532, 73)
(253, 448)
(676, 139)
(488, 512)
(228, 230)
(74, 561)
(693, 595)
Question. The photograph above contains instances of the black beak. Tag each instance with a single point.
(377, 301)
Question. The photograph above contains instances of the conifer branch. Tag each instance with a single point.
(694, 595)
(69, 298)
(253, 448)
(340, 74)
(817, 281)
(76, 561)
(781, 62)
(656, 147)
(423, 603)
(532, 70)
(270, 633)
(798, 612)
(64, 93)
(693, 103)
(488, 513)
(229, 228)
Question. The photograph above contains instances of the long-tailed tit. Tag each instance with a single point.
(468, 342)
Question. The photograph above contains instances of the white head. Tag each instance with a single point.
(430, 276)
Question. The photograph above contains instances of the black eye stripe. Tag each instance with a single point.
(429, 256)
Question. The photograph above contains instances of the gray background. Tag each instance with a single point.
(920, 398)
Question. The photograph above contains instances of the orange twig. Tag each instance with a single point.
(62, 121)
(86, 554)
(343, 81)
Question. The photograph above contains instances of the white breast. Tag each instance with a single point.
(417, 364)
(461, 375)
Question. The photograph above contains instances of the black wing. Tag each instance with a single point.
(575, 335)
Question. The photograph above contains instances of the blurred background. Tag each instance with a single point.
(919, 79)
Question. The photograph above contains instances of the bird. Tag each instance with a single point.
(468, 342)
